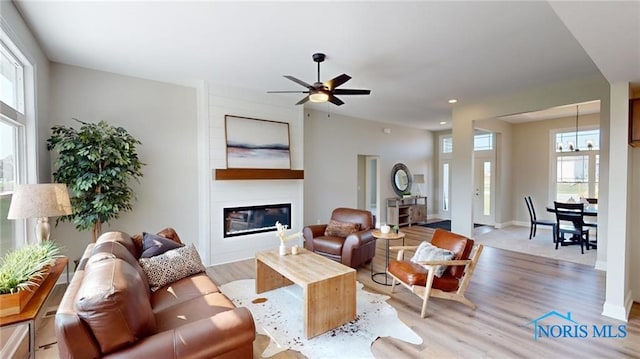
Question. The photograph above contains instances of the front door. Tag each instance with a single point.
(483, 206)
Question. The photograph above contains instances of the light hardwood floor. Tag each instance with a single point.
(511, 289)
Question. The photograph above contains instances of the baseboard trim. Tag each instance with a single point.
(619, 312)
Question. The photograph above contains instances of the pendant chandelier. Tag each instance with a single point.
(573, 146)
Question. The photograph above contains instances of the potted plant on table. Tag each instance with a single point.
(97, 163)
(21, 272)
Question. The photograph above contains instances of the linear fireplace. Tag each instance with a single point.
(239, 221)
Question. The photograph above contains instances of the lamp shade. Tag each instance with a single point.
(39, 200)
(418, 178)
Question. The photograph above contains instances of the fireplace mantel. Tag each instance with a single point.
(222, 174)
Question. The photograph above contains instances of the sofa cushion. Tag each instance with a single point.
(337, 228)
(415, 274)
(331, 245)
(171, 266)
(428, 252)
(112, 301)
(121, 238)
(117, 250)
(182, 290)
(168, 233)
(153, 245)
(192, 310)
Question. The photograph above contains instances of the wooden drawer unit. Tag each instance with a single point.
(406, 211)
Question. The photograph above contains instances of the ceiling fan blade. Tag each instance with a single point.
(299, 82)
(351, 92)
(337, 81)
(287, 91)
(305, 99)
(334, 100)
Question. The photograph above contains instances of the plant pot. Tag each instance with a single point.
(14, 303)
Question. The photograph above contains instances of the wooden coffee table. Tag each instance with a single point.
(329, 288)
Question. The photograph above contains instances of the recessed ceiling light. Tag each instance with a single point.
(443, 123)
(453, 100)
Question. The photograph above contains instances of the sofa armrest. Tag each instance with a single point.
(205, 338)
(355, 240)
(312, 231)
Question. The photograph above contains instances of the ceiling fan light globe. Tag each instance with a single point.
(319, 96)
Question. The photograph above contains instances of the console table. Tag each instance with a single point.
(32, 309)
(406, 210)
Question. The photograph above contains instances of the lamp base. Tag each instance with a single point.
(43, 229)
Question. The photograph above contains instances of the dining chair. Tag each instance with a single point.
(570, 220)
(535, 221)
(594, 225)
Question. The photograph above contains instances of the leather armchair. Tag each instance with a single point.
(353, 250)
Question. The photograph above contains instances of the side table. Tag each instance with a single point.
(387, 237)
(35, 304)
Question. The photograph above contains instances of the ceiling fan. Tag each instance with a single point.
(324, 91)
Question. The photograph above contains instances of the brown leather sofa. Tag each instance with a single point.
(352, 250)
(109, 311)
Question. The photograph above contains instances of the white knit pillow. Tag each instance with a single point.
(428, 252)
(171, 266)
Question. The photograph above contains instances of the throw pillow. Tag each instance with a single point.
(168, 233)
(428, 252)
(340, 229)
(171, 266)
(153, 245)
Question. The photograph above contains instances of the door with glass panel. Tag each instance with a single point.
(483, 203)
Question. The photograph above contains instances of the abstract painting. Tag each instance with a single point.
(254, 143)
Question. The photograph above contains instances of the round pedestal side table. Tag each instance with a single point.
(387, 237)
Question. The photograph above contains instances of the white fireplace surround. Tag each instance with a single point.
(223, 101)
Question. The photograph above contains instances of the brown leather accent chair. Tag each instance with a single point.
(420, 277)
(352, 250)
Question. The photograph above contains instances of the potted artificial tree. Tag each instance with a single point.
(97, 163)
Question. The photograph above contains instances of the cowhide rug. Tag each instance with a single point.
(280, 317)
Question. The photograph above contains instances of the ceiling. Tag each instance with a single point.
(414, 56)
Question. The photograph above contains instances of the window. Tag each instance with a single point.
(445, 186)
(577, 166)
(483, 142)
(447, 144)
(12, 140)
(11, 80)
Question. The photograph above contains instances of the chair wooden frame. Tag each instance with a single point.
(571, 213)
(535, 221)
(425, 292)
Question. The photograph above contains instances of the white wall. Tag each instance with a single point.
(332, 145)
(224, 100)
(163, 117)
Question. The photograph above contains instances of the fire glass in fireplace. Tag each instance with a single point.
(239, 221)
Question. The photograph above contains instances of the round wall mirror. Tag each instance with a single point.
(400, 179)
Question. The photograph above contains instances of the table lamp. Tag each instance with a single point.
(418, 179)
(40, 201)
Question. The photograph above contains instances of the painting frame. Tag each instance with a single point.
(257, 143)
